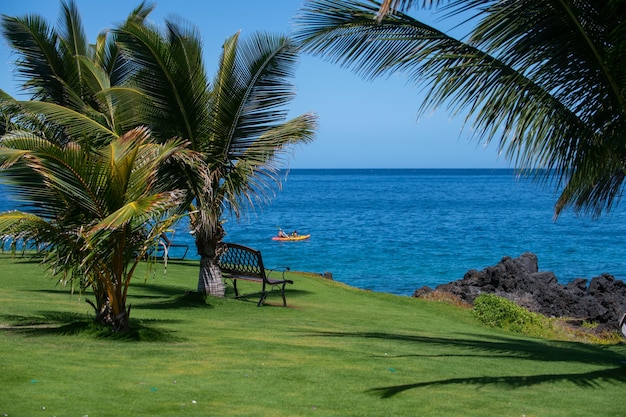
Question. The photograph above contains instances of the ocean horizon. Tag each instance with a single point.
(396, 230)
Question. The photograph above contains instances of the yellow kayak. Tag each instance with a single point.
(300, 237)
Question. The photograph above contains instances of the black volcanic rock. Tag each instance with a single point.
(603, 301)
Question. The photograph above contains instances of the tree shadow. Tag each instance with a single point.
(584, 379)
(501, 346)
(150, 289)
(189, 299)
(22, 259)
(74, 324)
(152, 296)
(505, 347)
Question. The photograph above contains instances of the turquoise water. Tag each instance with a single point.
(397, 230)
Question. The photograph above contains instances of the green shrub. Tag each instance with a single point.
(496, 311)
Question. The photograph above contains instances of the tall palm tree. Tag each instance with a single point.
(97, 213)
(543, 77)
(237, 122)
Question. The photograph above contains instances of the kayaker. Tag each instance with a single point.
(281, 233)
(294, 234)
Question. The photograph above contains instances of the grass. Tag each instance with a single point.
(336, 351)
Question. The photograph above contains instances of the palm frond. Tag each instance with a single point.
(248, 131)
(250, 91)
(541, 77)
(169, 70)
(108, 54)
(23, 226)
(72, 44)
(387, 7)
(256, 174)
(39, 66)
(27, 186)
(345, 32)
(116, 105)
(92, 128)
(140, 210)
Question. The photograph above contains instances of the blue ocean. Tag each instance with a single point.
(396, 230)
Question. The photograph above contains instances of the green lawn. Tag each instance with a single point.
(336, 351)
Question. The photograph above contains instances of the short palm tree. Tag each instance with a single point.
(543, 77)
(237, 123)
(96, 213)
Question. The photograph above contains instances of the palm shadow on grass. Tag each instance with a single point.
(151, 289)
(591, 379)
(73, 324)
(500, 346)
(509, 348)
(21, 258)
(144, 296)
(153, 297)
(188, 299)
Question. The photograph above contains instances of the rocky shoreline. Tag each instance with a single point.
(601, 301)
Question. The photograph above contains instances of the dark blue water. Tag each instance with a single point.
(397, 230)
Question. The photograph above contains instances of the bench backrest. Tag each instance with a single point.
(241, 260)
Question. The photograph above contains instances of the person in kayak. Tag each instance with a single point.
(281, 233)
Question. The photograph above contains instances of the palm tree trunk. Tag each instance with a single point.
(105, 316)
(210, 278)
(208, 233)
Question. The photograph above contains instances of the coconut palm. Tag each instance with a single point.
(81, 100)
(544, 78)
(96, 213)
(237, 122)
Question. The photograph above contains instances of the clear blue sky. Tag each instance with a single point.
(363, 124)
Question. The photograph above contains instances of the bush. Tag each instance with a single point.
(496, 311)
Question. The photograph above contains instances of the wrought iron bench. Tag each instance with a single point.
(241, 262)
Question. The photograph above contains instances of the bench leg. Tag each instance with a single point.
(235, 288)
(262, 299)
(263, 295)
(282, 292)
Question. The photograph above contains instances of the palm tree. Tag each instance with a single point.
(238, 122)
(81, 101)
(543, 77)
(96, 213)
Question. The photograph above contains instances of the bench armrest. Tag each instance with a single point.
(281, 269)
